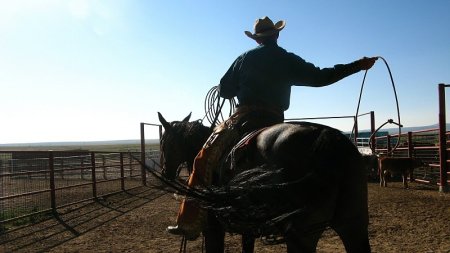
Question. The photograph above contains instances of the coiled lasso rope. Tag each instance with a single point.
(213, 107)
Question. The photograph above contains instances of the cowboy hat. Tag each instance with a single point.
(264, 27)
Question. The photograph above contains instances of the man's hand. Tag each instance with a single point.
(366, 63)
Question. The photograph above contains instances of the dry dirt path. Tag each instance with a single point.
(413, 220)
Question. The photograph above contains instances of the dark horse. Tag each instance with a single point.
(330, 180)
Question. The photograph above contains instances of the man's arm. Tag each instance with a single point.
(228, 87)
(306, 74)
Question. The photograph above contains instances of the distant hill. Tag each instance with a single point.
(394, 130)
(81, 143)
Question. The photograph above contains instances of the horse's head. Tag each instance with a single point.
(173, 146)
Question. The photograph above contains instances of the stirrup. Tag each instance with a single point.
(178, 197)
(176, 230)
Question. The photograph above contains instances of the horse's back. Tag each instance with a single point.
(303, 177)
(334, 181)
(292, 144)
(309, 148)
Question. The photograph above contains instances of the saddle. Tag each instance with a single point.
(238, 157)
(241, 150)
(243, 127)
(239, 167)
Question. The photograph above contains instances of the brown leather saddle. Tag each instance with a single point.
(239, 158)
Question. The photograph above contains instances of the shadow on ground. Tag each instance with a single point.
(73, 221)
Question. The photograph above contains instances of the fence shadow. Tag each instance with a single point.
(73, 221)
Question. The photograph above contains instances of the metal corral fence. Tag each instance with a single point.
(423, 145)
(37, 182)
(431, 146)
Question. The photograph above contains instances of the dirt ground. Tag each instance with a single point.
(413, 220)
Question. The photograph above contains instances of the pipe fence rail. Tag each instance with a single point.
(431, 146)
(34, 183)
(423, 145)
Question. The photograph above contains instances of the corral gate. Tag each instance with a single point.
(149, 155)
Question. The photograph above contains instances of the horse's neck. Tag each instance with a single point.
(197, 136)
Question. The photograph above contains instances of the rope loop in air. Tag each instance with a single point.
(390, 121)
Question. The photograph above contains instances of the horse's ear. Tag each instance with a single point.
(187, 117)
(163, 121)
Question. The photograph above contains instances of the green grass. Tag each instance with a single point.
(34, 218)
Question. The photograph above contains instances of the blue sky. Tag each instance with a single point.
(78, 70)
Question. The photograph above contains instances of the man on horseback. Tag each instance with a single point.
(261, 79)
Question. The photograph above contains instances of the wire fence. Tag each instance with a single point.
(34, 183)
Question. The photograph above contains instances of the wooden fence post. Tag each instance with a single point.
(130, 164)
(388, 145)
(410, 145)
(143, 172)
(443, 186)
(82, 168)
(373, 142)
(104, 167)
(94, 179)
(51, 168)
(122, 173)
(62, 168)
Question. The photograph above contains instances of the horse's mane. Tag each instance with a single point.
(193, 132)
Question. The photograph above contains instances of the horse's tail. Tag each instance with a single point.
(261, 200)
